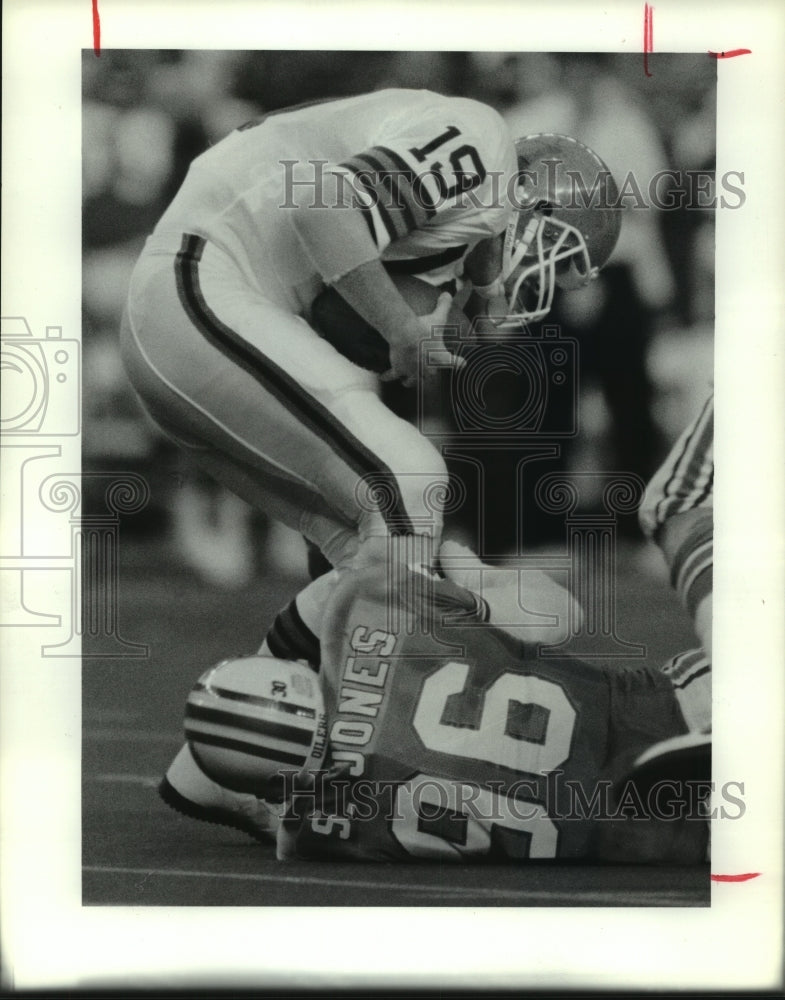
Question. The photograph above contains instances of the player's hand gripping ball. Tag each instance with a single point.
(356, 339)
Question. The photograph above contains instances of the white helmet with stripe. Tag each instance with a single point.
(249, 721)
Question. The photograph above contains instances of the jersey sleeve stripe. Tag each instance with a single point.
(364, 176)
(406, 180)
(397, 188)
(683, 664)
(689, 492)
(367, 214)
(418, 196)
(701, 672)
(694, 698)
(692, 573)
(687, 667)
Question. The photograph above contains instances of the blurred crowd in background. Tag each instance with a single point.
(645, 329)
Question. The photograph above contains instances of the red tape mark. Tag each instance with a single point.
(730, 53)
(648, 36)
(96, 29)
(735, 878)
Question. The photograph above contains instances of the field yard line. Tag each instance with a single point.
(132, 735)
(293, 880)
(109, 715)
(523, 895)
(125, 779)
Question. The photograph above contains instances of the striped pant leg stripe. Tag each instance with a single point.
(277, 382)
(688, 465)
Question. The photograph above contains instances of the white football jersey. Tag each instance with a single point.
(431, 175)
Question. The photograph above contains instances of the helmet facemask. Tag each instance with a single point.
(565, 224)
(541, 253)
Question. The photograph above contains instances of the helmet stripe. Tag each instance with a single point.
(267, 753)
(255, 699)
(275, 730)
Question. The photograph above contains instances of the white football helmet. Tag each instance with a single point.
(250, 720)
(566, 224)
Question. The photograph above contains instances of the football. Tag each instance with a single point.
(351, 336)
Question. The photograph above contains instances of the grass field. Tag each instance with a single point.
(138, 852)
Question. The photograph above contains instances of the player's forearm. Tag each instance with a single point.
(336, 239)
(340, 246)
(371, 292)
(483, 264)
(483, 267)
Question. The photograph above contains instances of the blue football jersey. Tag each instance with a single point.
(451, 741)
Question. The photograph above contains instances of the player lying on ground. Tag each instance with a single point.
(430, 734)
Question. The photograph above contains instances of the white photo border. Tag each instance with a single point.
(49, 939)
